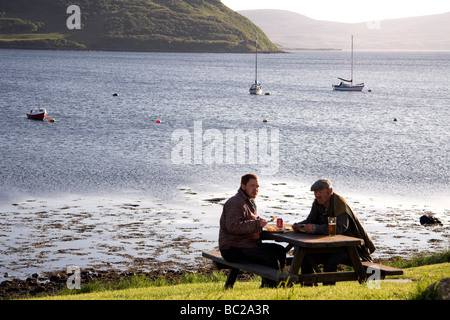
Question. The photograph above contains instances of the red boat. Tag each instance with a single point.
(37, 114)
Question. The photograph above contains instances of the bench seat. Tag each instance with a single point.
(272, 274)
(385, 270)
(254, 268)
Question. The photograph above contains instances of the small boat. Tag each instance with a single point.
(347, 85)
(37, 114)
(256, 88)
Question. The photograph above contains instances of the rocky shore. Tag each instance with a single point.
(52, 283)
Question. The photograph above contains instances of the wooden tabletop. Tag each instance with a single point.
(306, 240)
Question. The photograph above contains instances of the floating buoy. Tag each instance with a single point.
(265, 120)
(158, 121)
(51, 120)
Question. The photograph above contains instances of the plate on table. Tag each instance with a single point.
(274, 228)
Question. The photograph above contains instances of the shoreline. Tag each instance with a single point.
(136, 232)
(49, 283)
(53, 283)
(79, 49)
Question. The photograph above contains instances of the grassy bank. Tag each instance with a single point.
(419, 274)
(38, 41)
(30, 36)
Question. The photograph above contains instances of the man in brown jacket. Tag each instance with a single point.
(240, 228)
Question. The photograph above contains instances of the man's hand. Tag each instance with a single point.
(309, 228)
(262, 223)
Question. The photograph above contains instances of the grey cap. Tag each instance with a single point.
(321, 184)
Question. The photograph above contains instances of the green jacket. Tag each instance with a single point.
(340, 206)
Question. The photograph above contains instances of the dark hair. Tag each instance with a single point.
(245, 178)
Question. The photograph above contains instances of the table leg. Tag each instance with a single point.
(356, 263)
(299, 255)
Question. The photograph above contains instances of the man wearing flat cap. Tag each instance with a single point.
(329, 204)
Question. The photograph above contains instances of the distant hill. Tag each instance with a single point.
(292, 30)
(134, 25)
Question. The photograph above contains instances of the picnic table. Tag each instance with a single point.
(308, 244)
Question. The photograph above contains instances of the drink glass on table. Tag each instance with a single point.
(280, 223)
(331, 226)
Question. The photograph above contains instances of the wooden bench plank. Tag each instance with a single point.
(263, 271)
(385, 270)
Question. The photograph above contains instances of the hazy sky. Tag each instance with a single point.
(348, 10)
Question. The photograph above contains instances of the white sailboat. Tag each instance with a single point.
(347, 85)
(256, 87)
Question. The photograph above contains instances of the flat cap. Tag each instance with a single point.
(321, 184)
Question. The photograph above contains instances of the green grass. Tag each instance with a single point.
(31, 36)
(421, 260)
(210, 287)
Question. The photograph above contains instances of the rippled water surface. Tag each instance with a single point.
(101, 142)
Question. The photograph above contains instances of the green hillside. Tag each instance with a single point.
(132, 25)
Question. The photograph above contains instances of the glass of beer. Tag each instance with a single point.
(331, 226)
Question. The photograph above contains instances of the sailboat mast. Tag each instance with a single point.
(352, 62)
(256, 61)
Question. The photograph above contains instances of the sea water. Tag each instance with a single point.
(172, 133)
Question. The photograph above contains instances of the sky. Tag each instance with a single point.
(350, 11)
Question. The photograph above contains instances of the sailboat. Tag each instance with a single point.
(256, 88)
(347, 85)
